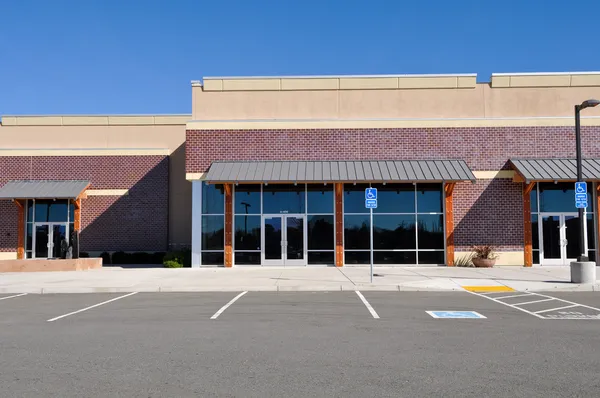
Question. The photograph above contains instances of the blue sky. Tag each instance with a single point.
(133, 56)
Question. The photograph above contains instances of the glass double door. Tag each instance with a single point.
(560, 238)
(284, 239)
(48, 239)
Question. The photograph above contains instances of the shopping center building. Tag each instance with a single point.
(273, 171)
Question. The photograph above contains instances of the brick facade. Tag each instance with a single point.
(138, 221)
(489, 211)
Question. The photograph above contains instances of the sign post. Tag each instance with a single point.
(371, 203)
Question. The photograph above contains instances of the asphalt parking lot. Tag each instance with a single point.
(299, 344)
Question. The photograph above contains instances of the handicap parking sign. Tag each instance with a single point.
(580, 187)
(371, 193)
(456, 314)
(581, 197)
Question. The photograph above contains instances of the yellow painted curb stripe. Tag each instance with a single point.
(486, 289)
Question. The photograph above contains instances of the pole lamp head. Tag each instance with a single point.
(589, 104)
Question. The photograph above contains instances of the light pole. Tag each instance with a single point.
(585, 104)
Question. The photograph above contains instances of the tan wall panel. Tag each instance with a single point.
(171, 120)
(500, 81)
(38, 121)
(251, 84)
(368, 83)
(84, 120)
(467, 81)
(8, 256)
(541, 81)
(124, 120)
(213, 85)
(585, 80)
(427, 82)
(310, 84)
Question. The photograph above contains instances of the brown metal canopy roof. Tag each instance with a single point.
(340, 171)
(555, 169)
(43, 189)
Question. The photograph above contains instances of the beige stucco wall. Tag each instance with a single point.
(110, 135)
(384, 97)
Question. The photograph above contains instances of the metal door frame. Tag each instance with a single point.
(284, 262)
(563, 260)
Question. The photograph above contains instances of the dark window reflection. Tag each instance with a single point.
(71, 211)
(551, 234)
(560, 197)
(394, 232)
(247, 233)
(590, 232)
(394, 258)
(29, 237)
(213, 258)
(356, 232)
(429, 198)
(247, 199)
(213, 232)
(351, 257)
(247, 258)
(30, 210)
(573, 235)
(536, 256)
(533, 199)
(282, 198)
(320, 198)
(213, 199)
(51, 211)
(535, 232)
(326, 258)
(431, 257)
(354, 198)
(592, 255)
(431, 231)
(320, 232)
(273, 235)
(394, 198)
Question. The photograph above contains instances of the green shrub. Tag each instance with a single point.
(105, 258)
(172, 264)
(121, 257)
(183, 257)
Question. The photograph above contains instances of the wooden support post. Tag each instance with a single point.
(449, 216)
(339, 225)
(77, 214)
(528, 260)
(228, 225)
(20, 230)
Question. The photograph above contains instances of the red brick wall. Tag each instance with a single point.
(489, 211)
(138, 221)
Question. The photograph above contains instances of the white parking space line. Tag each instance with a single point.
(90, 307)
(514, 295)
(9, 297)
(508, 305)
(556, 309)
(366, 303)
(535, 301)
(569, 302)
(216, 315)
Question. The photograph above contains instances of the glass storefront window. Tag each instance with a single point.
(590, 232)
(321, 258)
(320, 199)
(30, 210)
(354, 198)
(558, 198)
(353, 257)
(394, 257)
(213, 199)
(533, 198)
(284, 198)
(394, 232)
(429, 198)
(356, 232)
(213, 258)
(427, 257)
(394, 198)
(431, 231)
(51, 211)
(320, 232)
(535, 232)
(247, 199)
(247, 258)
(247, 232)
(213, 228)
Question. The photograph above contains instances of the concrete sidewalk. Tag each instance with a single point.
(118, 280)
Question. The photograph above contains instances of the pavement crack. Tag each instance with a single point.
(346, 276)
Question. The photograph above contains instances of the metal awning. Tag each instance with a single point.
(340, 171)
(43, 189)
(530, 170)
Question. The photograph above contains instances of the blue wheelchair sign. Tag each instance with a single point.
(371, 193)
(580, 187)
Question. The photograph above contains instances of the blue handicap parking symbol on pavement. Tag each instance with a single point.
(371, 193)
(456, 314)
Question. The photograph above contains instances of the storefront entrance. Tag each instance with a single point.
(560, 238)
(284, 240)
(48, 238)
